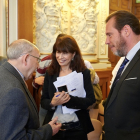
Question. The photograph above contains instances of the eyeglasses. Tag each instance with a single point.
(38, 59)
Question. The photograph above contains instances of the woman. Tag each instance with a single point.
(66, 58)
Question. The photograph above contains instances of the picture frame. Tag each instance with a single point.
(11, 21)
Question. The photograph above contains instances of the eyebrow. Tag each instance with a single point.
(108, 33)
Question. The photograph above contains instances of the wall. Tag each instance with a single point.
(8, 24)
(25, 26)
(2, 28)
(12, 21)
(76, 18)
(25, 30)
(25, 23)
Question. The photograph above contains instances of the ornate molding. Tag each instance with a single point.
(7, 27)
(75, 17)
(103, 36)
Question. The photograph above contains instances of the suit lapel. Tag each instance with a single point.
(113, 93)
(14, 72)
(29, 95)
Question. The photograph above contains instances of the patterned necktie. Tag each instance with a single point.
(120, 71)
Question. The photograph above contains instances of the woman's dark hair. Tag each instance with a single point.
(123, 18)
(68, 44)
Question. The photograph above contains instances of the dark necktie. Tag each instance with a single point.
(120, 71)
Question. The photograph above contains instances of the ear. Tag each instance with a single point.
(73, 54)
(127, 30)
(25, 59)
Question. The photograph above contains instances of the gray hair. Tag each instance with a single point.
(19, 47)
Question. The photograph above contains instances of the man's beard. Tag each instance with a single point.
(122, 47)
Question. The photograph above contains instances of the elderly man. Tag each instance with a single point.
(122, 108)
(18, 111)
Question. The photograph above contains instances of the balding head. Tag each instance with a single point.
(19, 47)
(24, 56)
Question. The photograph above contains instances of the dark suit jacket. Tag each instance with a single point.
(122, 108)
(75, 102)
(18, 111)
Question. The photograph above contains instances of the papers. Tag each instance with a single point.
(72, 81)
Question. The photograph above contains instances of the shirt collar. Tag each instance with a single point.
(133, 51)
(19, 72)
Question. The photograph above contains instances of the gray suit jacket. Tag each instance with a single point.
(18, 112)
(122, 108)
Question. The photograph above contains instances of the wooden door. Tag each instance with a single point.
(136, 9)
(25, 19)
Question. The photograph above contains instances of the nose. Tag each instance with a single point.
(107, 41)
(61, 55)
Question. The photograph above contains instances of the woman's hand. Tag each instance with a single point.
(60, 98)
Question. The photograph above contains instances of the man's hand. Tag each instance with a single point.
(39, 80)
(55, 126)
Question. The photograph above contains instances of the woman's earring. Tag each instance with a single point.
(72, 59)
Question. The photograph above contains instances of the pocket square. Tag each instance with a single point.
(131, 78)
